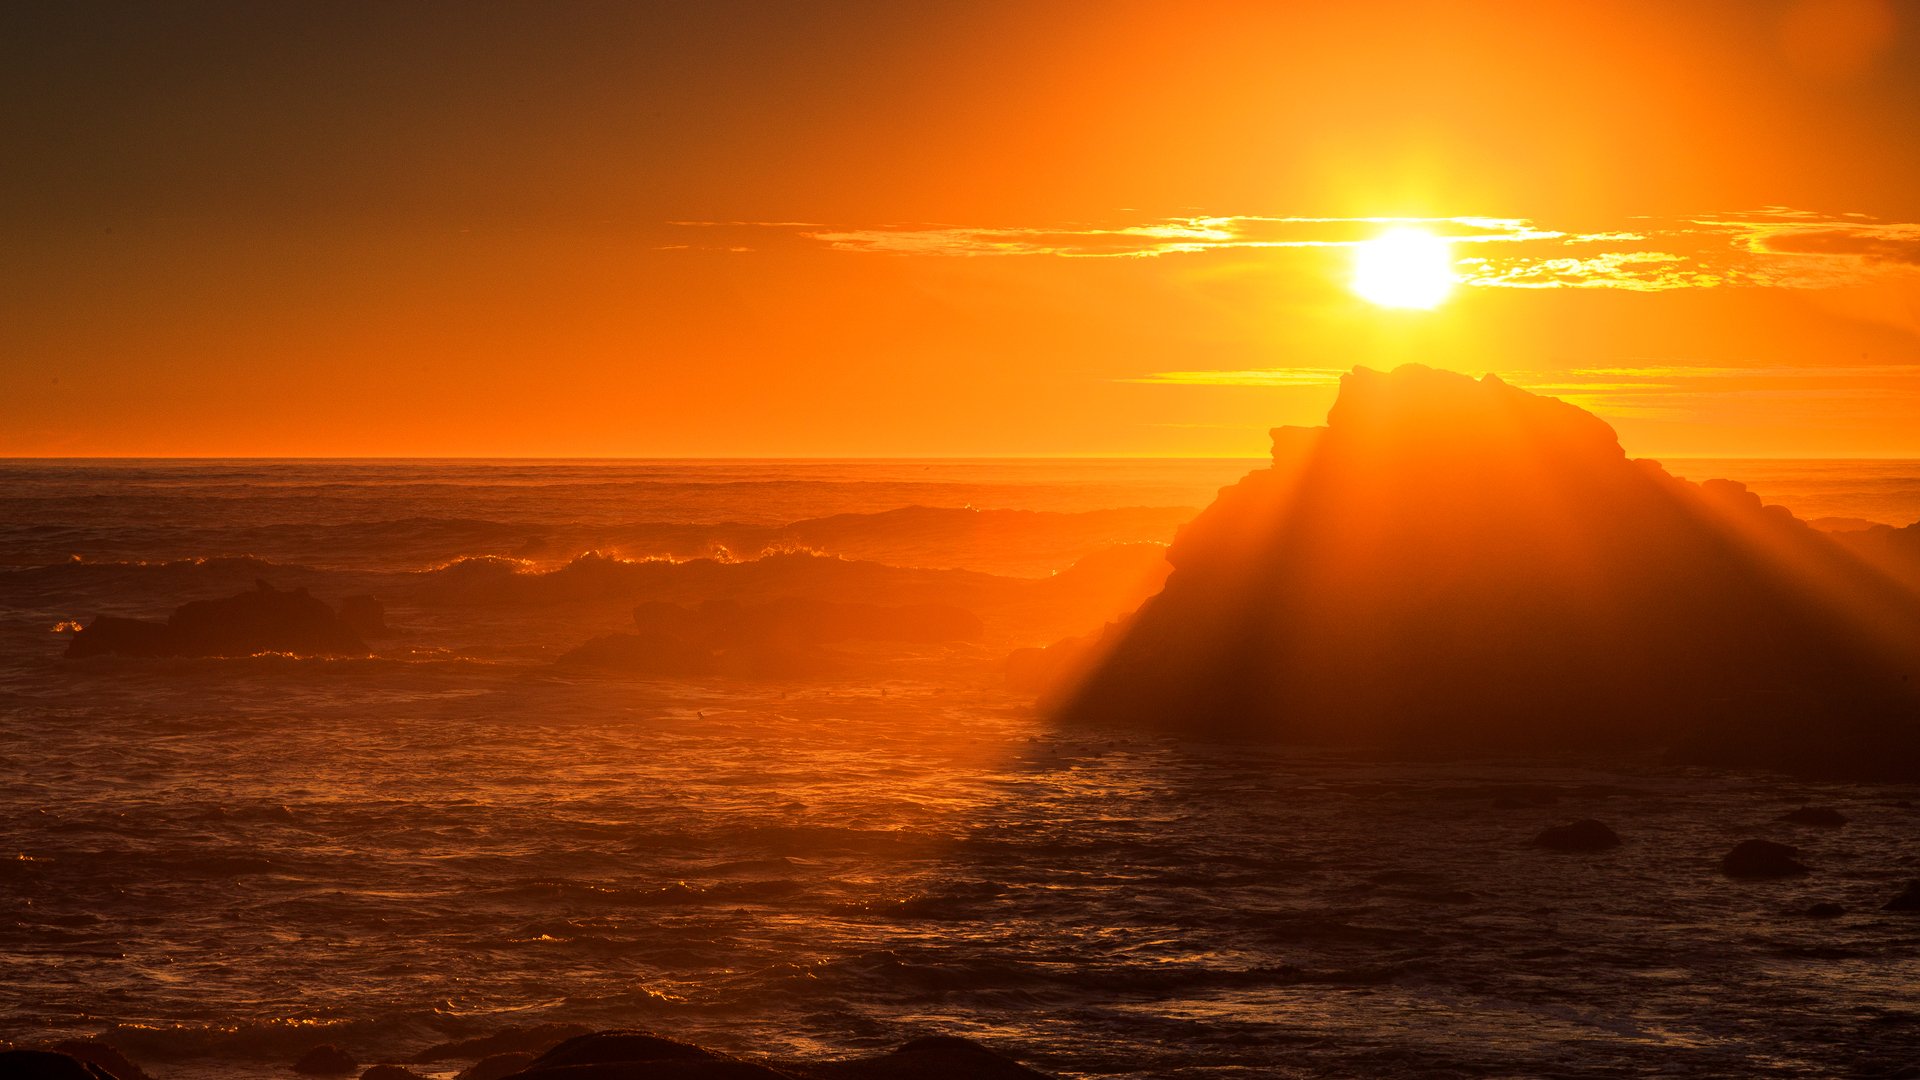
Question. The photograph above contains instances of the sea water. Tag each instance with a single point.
(215, 863)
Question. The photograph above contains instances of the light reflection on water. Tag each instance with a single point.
(820, 869)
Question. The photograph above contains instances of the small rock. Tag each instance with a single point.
(1583, 835)
(1825, 816)
(1908, 900)
(1762, 859)
(390, 1072)
(326, 1060)
(1825, 911)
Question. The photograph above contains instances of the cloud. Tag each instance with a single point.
(1899, 244)
(1640, 271)
(1132, 240)
(1773, 247)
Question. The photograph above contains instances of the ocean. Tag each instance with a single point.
(217, 863)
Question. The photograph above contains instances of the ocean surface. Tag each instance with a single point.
(217, 863)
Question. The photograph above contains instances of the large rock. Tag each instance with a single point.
(262, 619)
(1456, 563)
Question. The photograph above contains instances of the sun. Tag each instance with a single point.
(1403, 268)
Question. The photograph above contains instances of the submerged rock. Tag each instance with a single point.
(325, 1060)
(1908, 900)
(1762, 859)
(1459, 564)
(390, 1072)
(1825, 911)
(262, 619)
(1583, 835)
(1824, 816)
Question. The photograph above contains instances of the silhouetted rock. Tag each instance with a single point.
(364, 615)
(1908, 900)
(110, 634)
(495, 1066)
(325, 1060)
(1825, 816)
(103, 1055)
(1583, 835)
(1458, 564)
(1825, 911)
(611, 1055)
(48, 1065)
(634, 1055)
(1762, 859)
(390, 1072)
(262, 619)
(533, 1038)
(1054, 670)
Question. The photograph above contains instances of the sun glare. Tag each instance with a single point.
(1403, 268)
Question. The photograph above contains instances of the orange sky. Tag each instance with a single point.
(600, 229)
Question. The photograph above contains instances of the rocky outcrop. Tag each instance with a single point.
(262, 619)
(1454, 563)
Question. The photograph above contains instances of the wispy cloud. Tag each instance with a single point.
(1773, 247)
(1172, 236)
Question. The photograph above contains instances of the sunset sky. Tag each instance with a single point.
(786, 229)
